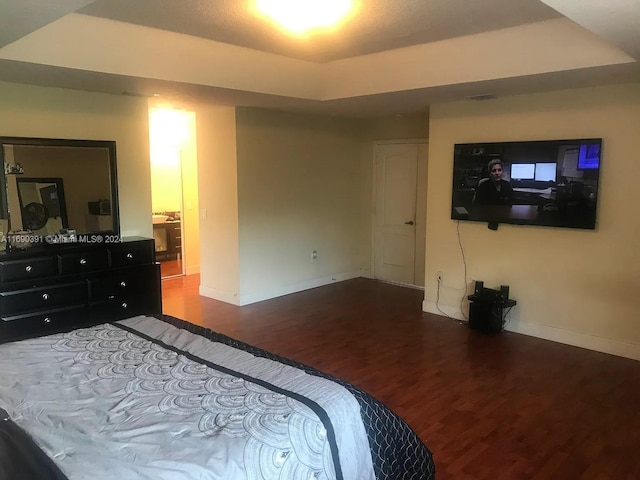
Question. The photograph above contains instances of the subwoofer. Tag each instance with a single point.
(485, 315)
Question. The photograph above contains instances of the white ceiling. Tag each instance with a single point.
(392, 57)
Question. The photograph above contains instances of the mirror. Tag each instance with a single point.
(49, 186)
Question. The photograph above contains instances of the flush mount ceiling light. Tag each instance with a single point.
(302, 16)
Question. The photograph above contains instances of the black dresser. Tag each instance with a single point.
(48, 289)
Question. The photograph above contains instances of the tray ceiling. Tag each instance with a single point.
(394, 56)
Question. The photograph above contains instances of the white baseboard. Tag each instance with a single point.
(246, 299)
(226, 297)
(402, 284)
(590, 342)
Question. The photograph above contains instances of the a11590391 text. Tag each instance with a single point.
(28, 238)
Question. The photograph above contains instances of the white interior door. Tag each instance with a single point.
(395, 212)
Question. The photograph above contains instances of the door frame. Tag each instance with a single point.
(187, 158)
(420, 221)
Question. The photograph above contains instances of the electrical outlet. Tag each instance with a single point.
(314, 255)
(440, 276)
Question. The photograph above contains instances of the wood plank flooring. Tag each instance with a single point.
(490, 407)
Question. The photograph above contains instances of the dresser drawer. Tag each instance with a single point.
(38, 267)
(42, 323)
(123, 307)
(123, 283)
(80, 262)
(18, 301)
(133, 253)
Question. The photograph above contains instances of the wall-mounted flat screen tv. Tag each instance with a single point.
(546, 182)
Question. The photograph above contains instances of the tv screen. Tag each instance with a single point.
(523, 171)
(545, 182)
(546, 172)
(588, 156)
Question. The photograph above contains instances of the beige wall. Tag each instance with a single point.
(30, 111)
(299, 183)
(400, 127)
(575, 286)
(302, 186)
(218, 203)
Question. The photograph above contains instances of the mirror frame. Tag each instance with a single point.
(110, 147)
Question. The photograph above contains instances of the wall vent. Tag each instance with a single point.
(485, 96)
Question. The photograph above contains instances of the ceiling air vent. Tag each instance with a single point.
(136, 94)
(485, 96)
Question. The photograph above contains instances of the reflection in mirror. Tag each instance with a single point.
(42, 205)
(49, 185)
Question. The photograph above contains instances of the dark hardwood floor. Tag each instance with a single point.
(490, 407)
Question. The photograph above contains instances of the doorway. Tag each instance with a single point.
(174, 190)
(400, 206)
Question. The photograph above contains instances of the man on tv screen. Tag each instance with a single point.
(494, 190)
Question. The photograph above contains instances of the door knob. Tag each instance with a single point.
(410, 222)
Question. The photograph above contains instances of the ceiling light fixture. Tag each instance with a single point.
(301, 16)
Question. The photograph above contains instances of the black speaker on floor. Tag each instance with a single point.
(485, 315)
(486, 308)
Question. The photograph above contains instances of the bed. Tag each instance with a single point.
(155, 397)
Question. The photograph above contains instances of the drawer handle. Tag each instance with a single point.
(123, 284)
(129, 256)
(47, 320)
(45, 296)
(28, 268)
(124, 305)
(83, 261)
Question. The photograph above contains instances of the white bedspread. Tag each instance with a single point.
(110, 404)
